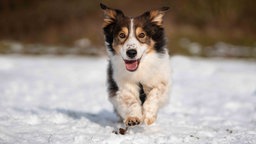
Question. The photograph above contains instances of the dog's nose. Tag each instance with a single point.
(131, 53)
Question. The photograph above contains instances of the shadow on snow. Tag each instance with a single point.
(103, 118)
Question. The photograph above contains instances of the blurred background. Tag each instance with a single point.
(207, 28)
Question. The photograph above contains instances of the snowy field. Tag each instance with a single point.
(63, 100)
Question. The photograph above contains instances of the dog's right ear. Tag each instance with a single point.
(110, 15)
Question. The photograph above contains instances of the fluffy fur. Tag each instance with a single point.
(139, 69)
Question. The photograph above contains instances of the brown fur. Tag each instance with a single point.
(110, 16)
(118, 42)
(145, 39)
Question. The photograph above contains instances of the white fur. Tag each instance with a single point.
(153, 73)
(133, 43)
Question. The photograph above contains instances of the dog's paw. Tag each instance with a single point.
(150, 120)
(132, 121)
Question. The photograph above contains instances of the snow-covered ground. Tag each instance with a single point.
(63, 100)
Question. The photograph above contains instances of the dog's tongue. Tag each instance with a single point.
(131, 65)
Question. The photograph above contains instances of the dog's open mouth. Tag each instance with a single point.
(132, 65)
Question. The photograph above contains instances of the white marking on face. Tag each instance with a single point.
(133, 43)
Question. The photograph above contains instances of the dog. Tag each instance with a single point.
(138, 73)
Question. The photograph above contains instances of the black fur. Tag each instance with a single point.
(109, 37)
(153, 31)
(143, 95)
(112, 29)
(157, 34)
(112, 86)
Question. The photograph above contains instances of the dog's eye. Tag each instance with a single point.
(122, 35)
(141, 35)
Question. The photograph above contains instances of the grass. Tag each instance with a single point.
(62, 22)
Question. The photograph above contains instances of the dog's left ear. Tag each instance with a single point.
(156, 16)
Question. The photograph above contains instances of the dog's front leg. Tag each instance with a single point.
(156, 97)
(128, 106)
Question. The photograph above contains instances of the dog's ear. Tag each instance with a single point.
(156, 16)
(110, 15)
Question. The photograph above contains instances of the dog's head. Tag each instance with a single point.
(132, 38)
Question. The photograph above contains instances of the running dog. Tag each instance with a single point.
(139, 69)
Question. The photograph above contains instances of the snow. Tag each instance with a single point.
(57, 100)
